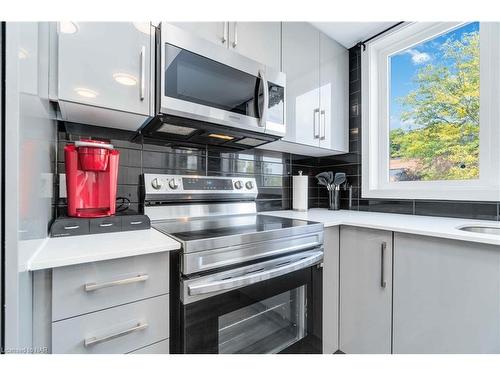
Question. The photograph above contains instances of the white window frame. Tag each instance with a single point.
(375, 118)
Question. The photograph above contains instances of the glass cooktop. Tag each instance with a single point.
(221, 226)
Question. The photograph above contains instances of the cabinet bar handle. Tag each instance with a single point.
(316, 133)
(224, 36)
(135, 222)
(89, 287)
(322, 125)
(104, 225)
(97, 340)
(143, 72)
(72, 227)
(235, 41)
(383, 247)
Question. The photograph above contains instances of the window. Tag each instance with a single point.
(431, 112)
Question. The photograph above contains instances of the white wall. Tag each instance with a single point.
(30, 154)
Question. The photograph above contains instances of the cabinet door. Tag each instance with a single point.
(105, 64)
(334, 92)
(215, 32)
(446, 296)
(331, 291)
(365, 290)
(301, 66)
(260, 41)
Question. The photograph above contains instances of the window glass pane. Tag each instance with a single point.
(434, 108)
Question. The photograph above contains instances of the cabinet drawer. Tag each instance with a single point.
(120, 329)
(106, 225)
(161, 347)
(88, 287)
(135, 222)
(69, 227)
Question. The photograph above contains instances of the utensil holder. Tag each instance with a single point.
(334, 199)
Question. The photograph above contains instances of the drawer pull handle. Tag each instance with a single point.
(383, 248)
(97, 340)
(72, 227)
(89, 287)
(106, 225)
(135, 222)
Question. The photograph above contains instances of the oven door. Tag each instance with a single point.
(281, 314)
(210, 83)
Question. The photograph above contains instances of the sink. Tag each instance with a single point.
(485, 229)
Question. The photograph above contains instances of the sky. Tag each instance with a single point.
(405, 64)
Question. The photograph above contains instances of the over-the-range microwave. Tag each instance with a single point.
(209, 94)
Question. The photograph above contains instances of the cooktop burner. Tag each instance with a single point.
(221, 226)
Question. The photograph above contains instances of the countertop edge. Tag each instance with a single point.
(450, 232)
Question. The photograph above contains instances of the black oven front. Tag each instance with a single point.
(281, 314)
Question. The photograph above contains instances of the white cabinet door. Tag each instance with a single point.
(105, 64)
(334, 93)
(301, 66)
(365, 290)
(331, 291)
(260, 41)
(446, 296)
(215, 32)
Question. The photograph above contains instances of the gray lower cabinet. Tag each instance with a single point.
(446, 296)
(88, 287)
(120, 329)
(365, 290)
(331, 291)
(113, 306)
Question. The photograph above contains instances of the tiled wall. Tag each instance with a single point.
(271, 169)
(351, 165)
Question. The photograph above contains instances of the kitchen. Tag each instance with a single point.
(251, 187)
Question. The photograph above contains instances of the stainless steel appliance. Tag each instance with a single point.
(244, 282)
(211, 95)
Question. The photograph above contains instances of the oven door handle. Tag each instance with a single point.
(255, 277)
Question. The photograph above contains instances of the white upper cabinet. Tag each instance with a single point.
(334, 91)
(301, 66)
(105, 64)
(215, 32)
(317, 92)
(260, 41)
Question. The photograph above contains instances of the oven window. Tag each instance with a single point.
(197, 79)
(267, 326)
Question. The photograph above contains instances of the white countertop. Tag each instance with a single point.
(423, 225)
(65, 251)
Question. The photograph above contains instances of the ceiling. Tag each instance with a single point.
(350, 33)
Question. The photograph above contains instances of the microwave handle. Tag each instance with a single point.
(265, 105)
(252, 278)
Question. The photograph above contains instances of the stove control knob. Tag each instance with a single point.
(156, 184)
(238, 185)
(173, 184)
(249, 185)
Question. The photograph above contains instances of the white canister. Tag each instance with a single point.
(300, 196)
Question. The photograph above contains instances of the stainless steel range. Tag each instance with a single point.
(246, 282)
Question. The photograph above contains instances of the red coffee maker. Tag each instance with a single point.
(91, 178)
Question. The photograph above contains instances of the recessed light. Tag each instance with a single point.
(68, 27)
(125, 79)
(221, 136)
(86, 93)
